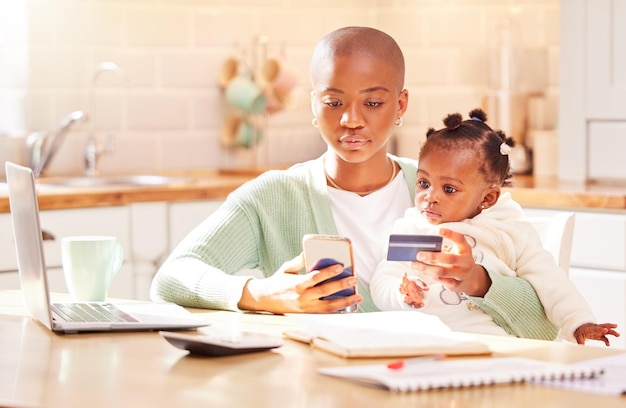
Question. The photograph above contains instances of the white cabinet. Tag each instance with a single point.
(149, 238)
(598, 266)
(592, 130)
(8, 261)
(599, 241)
(592, 88)
(606, 59)
(607, 144)
(113, 221)
(148, 232)
(156, 228)
(184, 216)
(605, 291)
(9, 278)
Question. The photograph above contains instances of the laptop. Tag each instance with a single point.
(74, 317)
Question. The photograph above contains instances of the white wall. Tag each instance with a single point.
(172, 50)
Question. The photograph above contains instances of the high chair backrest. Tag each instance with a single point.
(556, 233)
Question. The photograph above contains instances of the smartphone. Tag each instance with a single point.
(405, 247)
(321, 251)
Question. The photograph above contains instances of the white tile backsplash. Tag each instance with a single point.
(137, 151)
(208, 109)
(10, 105)
(204, 150)
(90, 24)
(465, 27)
(109, 109)
(157, 25)
(59, 66)
(225, 27)
(187, 68)
(158, 110)
(141, 66)
(170, 115)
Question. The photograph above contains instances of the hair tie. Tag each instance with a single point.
(477, 119)
(505, 149)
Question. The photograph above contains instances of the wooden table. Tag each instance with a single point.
(39, 368)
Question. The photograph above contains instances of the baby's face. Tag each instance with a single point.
(449, 186)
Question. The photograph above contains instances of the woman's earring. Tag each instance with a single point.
(314, 122)
(398, 121)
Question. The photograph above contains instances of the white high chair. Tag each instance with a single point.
(556, 233)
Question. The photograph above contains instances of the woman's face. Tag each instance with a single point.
(356, 102)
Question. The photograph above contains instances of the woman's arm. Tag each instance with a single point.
(514, 305)
(201, 271)
(249, 231)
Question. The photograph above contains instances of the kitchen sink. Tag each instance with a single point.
(112, 181)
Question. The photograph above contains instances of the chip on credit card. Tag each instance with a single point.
(404, 247)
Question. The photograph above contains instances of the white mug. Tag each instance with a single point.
(89, 264)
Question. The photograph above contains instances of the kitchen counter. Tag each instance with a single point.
(206, 184)
(540, 192)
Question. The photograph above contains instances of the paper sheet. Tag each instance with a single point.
(384, 334)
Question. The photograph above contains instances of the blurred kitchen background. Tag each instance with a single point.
(165, 108)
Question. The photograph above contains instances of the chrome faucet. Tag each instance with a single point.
(42, 146)
(93, 149)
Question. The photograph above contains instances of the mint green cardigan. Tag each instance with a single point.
(260, 226)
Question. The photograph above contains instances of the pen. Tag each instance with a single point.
(398, 364)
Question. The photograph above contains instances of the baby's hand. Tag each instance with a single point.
(413, 291)
(594, 331)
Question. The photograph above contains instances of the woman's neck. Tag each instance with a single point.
(361, 178)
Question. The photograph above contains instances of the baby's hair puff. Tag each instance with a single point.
(453, 121)
(492, 147)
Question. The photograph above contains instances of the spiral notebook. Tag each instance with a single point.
(456, 373)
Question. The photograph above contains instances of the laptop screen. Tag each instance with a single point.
(28, 241)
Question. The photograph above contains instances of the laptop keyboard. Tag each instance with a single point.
(91, 312)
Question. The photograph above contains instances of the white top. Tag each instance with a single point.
(368, 220)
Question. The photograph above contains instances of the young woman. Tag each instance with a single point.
(355, 189)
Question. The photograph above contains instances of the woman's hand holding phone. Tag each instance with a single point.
(288, 291)
(324, 251)
(337, 292)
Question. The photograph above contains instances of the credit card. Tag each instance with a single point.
(404, 247)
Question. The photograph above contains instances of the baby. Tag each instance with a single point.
(461, 170)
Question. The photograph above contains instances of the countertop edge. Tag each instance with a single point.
(217, 185)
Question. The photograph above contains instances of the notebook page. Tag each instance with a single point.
(459, 373)
(613, 382)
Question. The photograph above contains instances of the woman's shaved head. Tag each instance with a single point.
(349, 41)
